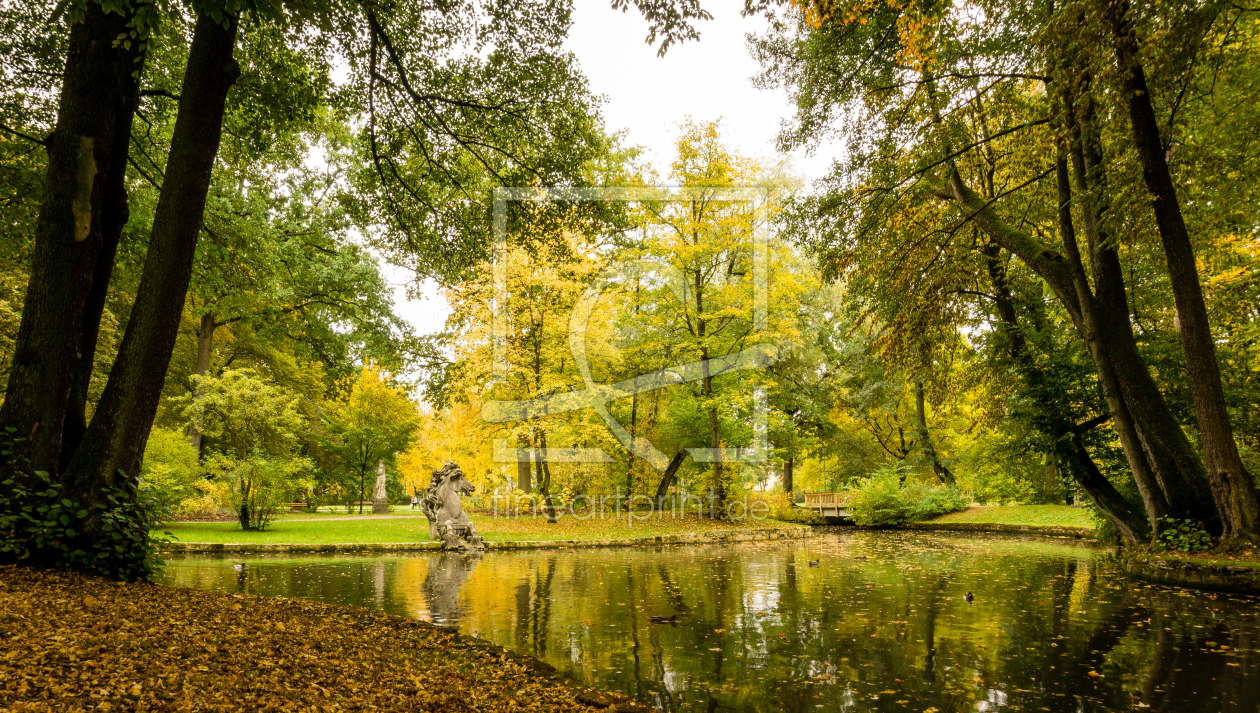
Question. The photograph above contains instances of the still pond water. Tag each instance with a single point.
(878, 623)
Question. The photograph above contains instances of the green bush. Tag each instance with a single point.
(777, 505)
(880, 501)
(883, 500)
(259, 485)
(934, 501)
(42, 523)
(170, 469)
(1183, 535)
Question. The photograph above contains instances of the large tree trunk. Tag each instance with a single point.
(925, 438)
(1172, 459)
(1232, 487)
(205, 347)
(1154, 502)
(1131, 526)
(110, 453)
(1070, 451)
(787, 474)
(80, 217)
(1146, 429)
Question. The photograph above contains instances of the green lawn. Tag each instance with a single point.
(308, 530)
(322, 530)
(326, 512)
(1055, 515)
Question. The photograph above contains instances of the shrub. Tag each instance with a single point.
(883, 500)
(934, 501)
(1183, 535)
(211, 497)
(170, 469)
(258, 486)
(42, 523)
(777, 505)
(880, 501)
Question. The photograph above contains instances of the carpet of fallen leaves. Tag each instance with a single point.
(1218, 556)
(71, 643)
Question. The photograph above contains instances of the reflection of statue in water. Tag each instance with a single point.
(441, 505)
(380, 500)
(442, 585)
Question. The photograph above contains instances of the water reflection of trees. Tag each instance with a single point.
(761, 630)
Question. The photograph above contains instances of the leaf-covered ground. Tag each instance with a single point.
(69, 643)
(1055, 515)
(1220, 556)
(296, 529)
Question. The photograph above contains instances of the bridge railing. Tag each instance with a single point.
(828, 500)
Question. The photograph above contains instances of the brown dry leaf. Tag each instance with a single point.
(158, 648)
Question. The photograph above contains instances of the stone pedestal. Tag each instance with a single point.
(380, 507)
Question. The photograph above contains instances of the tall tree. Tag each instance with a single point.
(81, 218)
(986, 65)
(110, 453)
(1232, 486)
(374, 422)
(528, 84)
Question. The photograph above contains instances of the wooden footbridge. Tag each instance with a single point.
(830, 504)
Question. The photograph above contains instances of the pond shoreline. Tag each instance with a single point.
(1171, 570)
(751, 535)
(1080, 533)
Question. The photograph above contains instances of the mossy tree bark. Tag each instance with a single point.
(942, 471)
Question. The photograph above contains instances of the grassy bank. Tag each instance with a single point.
(69, 643)
(1030, 515)
(308, 530)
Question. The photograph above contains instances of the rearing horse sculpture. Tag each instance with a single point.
(441, 504)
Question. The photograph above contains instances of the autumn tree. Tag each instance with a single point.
(372, 422)
(515, 110)
(996, 105)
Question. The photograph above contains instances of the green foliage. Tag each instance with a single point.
(254, 426)
(41, 524)
(934, 501)
(885, 500)
(1183, 535)
(261, 484)
(880, 501)
(170, 469)
(373, 422)
(776, 505)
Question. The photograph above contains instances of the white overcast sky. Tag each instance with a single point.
(647, 96)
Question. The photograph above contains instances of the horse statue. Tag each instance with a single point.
(442, 506)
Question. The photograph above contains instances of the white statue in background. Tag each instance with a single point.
(380, 500)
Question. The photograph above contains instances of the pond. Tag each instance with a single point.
(860, 621)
